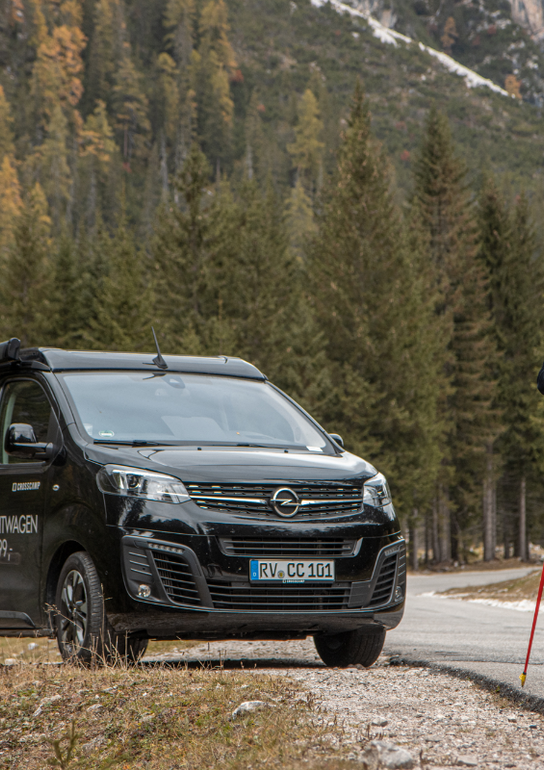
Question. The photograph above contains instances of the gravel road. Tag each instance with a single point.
(441, 720)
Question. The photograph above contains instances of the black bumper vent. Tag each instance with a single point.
(386, 581)
(176, 578)
(244, 597)
(322, 548)
(138, 564)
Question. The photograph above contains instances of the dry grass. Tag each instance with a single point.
(506, 591)
(42, 650)
(159, 719)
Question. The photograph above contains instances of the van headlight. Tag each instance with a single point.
(140, 484)
(376, 491)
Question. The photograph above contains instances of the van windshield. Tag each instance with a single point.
(138, 407)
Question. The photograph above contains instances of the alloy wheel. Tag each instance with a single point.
(73, 612)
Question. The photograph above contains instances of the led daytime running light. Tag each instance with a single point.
(168, 548)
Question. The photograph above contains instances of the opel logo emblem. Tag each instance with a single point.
(285, 502)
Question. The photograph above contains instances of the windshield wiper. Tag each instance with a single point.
(271, 446)
(136, 442)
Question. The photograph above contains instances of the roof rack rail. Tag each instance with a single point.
(9, 351)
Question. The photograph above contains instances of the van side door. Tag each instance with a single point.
(23, 487)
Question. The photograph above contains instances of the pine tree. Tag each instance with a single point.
(10, 189)
(307, 149)
(67, 320)
(131, 110)
(97, 135)
(212, 65)
(98, 161)
(10, 204)
(123, 309)
(371, 304)
(180, 19)
(25, 274)
(258, 272)
(168, 98)
(106, 51)
(180, 254)
(494, 245)
(6, 121)
(300, 219)
(442, 202)
(56, 73)
(52, 156)
(508, 248)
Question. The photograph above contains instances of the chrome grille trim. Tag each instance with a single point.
(247, 499)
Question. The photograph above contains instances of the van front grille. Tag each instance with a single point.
(254, 499)
(249, 598)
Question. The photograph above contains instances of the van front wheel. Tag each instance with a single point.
(84, 634)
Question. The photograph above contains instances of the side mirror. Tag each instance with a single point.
(21, 442)
(338, 439)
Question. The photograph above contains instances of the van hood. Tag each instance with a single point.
(237, 464)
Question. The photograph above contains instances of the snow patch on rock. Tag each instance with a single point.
(390, 37)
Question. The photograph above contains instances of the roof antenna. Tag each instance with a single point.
(158, 360)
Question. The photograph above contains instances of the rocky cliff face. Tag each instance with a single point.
(530, 15)
(376, 8)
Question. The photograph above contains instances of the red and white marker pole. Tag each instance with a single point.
(523, 676)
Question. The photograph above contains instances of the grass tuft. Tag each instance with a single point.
(160, 718)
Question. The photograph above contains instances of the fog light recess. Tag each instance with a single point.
(144, 591)
(399, 595)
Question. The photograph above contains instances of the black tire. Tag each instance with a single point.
(362, 646)
(84, 634)
(130, 648)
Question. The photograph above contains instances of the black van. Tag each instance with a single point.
(184, 498)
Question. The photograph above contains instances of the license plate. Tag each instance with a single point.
(291, 571)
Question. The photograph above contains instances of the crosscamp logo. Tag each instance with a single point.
(18, 525)
(25, 486)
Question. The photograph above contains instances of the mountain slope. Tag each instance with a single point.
(282, 44)
(496, 38)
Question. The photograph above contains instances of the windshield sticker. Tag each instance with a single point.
(25, 486)
(106, 433)
(21, 525)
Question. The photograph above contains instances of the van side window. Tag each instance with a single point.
(23, 402)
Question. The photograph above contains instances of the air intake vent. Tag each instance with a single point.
(138, 564)
(244, 597)
(386, 581)
(322, 548)
(176, 578)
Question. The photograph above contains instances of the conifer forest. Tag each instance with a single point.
(203, 167)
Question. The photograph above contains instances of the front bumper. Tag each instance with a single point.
(200, 588)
